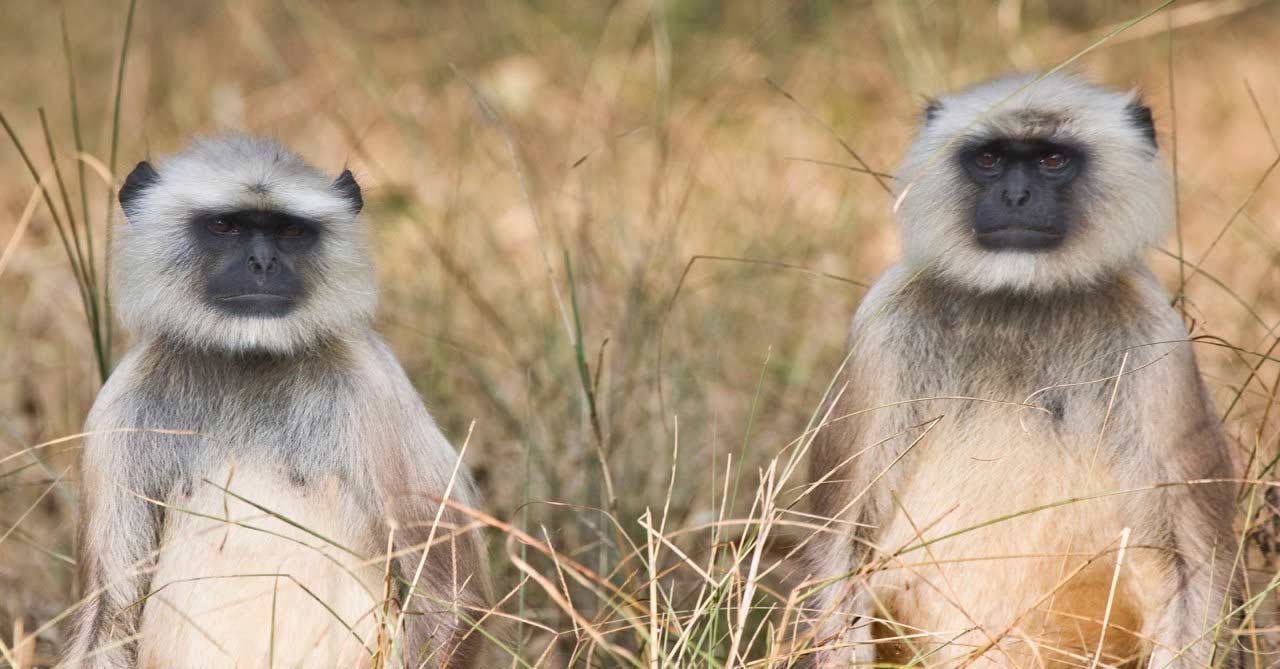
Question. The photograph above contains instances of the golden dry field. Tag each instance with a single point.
(618, 245)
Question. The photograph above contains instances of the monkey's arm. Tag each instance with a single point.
(1190, 521)
(117, 537)
(440, 564)
(843, 464)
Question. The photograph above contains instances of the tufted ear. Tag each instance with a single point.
(347, 187)
(142, 176)
(932, 108)
(1140, 116)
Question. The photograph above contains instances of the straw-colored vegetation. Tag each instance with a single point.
(621, 238)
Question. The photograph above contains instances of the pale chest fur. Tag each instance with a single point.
(1012, 441)
(240, 583)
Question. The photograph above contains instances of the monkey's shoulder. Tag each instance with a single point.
(1129, 310)
(948, 341)
(315, 395)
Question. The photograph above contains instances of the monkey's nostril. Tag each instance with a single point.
(1020, 200)
(257, 267)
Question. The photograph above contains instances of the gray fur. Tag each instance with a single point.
(1052, 330)
(312, 398)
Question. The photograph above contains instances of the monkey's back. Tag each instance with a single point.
(1008, 444)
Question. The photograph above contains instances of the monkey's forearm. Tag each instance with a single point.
(1191, 521)
(118, 534)
(113, 585)
(445, 599)
(1196, 628)
(104, 627)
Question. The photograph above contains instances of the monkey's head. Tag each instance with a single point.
(1014, 185)
(236, 244)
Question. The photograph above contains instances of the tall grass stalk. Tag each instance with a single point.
(75, 229)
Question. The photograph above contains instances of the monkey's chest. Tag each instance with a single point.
(254, 570)
(960, 475)
(1020, 531)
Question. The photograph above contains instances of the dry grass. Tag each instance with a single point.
(539, 177)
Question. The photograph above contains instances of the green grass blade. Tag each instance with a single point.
(111, 166)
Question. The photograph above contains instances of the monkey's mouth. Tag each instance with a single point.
(244, 298)
(256, 304)
(1019, 238)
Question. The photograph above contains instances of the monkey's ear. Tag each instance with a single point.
(347, 187)
(138, 180)
(1140, 116)
(932, 107)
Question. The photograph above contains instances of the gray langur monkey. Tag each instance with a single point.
(261, 484)
(1020, 461)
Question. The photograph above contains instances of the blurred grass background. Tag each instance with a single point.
(527, 162)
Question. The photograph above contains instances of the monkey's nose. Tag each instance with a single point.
(263, 264)
(1018, 200)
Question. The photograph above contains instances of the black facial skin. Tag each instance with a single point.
(255, 260)
(1024, 187)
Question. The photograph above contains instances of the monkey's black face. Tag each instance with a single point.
(255, 260)
(1024, 187)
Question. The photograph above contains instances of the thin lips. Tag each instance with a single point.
(254, 296)
(1047, 232)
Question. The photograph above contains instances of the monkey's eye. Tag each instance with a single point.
(289, 231)
(1054, 161)
(987, 160)
(221, 227)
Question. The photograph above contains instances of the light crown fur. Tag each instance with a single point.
(158, 273)
(1120, 204)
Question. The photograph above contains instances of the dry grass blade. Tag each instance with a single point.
(675, 294)
(880, 177)
(11, 246)
(1235, 215)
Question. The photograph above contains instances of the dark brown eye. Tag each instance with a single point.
(289, 231)
(987, 160)
(221, 227)
(1054, 161)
